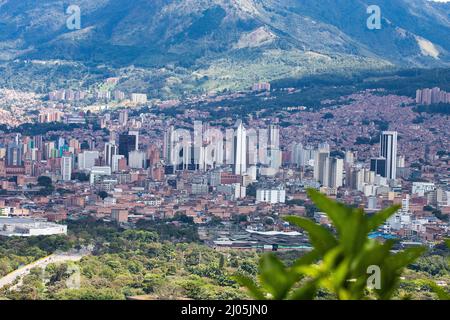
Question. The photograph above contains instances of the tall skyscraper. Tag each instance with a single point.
(135, 133)
(87, 160)
(66, 168)
(349, 157)
(115, 162)
(275, 155)
(153, 155)
(297, 154)
(110, 151)
(168, 145)
(14, 153)
(38, 142)
(123, 117)
(137, 160)
(378, 165)
(321, 165)
(336, 170)
(240, 149)
(127, 143)
(388, 145)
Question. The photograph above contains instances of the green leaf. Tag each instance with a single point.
(308, 258)
(275, 277)
(306, 292)
(251, 286)
(354, 233)
(350, 223)
(392, 268)
(373, 253)
(320, 237)
(405, 257)
(337, 212)
(439, 291)
(379, 218)
(447, 242)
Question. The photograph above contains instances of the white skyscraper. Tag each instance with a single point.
(87, 159)
(240, 149)
(271, 195)
(123, 117)
(388, 151)
(115, 162)
(297, 154)
(66, 168)
(137, 159)
(349, 157)
(275, 155)
(336, 172)
(321, 165)
(110, 151)
(168, 144)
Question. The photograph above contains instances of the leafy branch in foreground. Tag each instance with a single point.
(438, 290)
(347, 264)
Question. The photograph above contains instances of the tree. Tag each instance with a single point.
(80, 176)
(251, 190)
(44, 181)
(103, 194)
(47, 186)
(343, 264)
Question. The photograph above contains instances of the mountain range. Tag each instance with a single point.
(221, 44)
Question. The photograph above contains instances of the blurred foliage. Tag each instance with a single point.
(341, 263)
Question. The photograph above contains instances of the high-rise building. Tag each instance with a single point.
(127, 143)
(75, 145)
(139, 98)
(275, 154)
(271, 195)
(14, 154)
(66, 168)
(405, 203)
(378, 165)
(137, 160)
(87, 160)
(97, 172)
(400, 161)
(349, 157)
(115, 162)
(321, 165)
(123, 117)
(135, 133)
(371, 203)
(336, 170)
(110, 151)
(153, 155)
(49, 150)
(240, 149)
(297, 154)
(38, 142)
(388, 151)
(168, 145)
